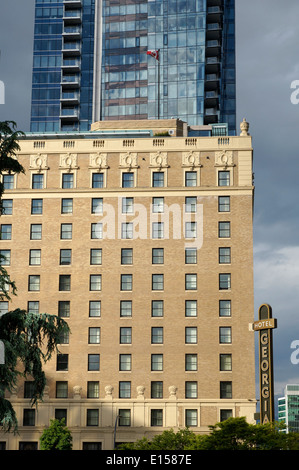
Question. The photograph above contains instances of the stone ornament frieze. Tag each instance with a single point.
(159, 160)
(39, 162)
(191, 159)
(98, 160)
(128, 160)
(68, 161)
(224, 158)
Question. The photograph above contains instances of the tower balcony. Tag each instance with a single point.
(70, 81)
(71, 48)
(72, 32)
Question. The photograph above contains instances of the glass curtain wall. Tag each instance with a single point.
(130, 77)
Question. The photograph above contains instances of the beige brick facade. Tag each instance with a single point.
(208, 301)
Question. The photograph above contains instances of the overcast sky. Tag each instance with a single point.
(267, 64)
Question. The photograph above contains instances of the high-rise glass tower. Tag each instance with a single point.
(288, 408)
(91, 62)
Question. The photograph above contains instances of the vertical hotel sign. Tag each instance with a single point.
(265, 325)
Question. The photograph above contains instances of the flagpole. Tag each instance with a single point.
(156, 55)
(159, 84)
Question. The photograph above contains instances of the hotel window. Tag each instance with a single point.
(98, 180)
(125, 362)
(190, 178)
(94, 308)
(156, 417)
(190, 204)
(97, 205)
(96, 256)
(66, 231)
(225, 335)
(225, 308)
(94, 335)
(93, 389)
(157, 335)
(67, 206)
(33, 283)
(126, 282)
(65, 257)
(7, 205)
(63, 338)
(190, 229)
(158, 230)
(225, 414)
(158, 179)
(28, 417)
(158, 256)
(64, 307)
(191, 362)
(127, 230)
(28, 389)
(224, 230)
(36, 232)
(127, 256)
(157, 281)
(126, 308)
(224, 255)
(97, 231)
(124, 389)
(190, 308)
(124, 417)
(156, 362)
(157, 308)
(190, 418)
(127, 205)
(191, 335)
(64, 282)
(67, 180)
(224, 203)
(224, 281)
(156, 389)
(190, 255)
(190, 389)
(223, 178)
(125, 336)
(36, 206)
(190, 281)
(3, 307)
(95, 282)
(62, 362)
(61, 389)
(6, 230)
(8, 181)
(34, 257)
(5, 257)
(93, 362)
(128, 180)
(225, 362)
(61, 414)
(33, 306)
(158, 205)
(37, 181)
(92, 417)
(226, 390)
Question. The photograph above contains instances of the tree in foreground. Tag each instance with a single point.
(232, 434)
(56, 437)
(29, 339)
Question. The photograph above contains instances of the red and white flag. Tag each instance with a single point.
(154, 54)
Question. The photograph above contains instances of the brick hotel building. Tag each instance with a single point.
(140, 237)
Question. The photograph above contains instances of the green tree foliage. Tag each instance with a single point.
(9, 147)
(29, 339)
(232, 434)
(56, 437)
